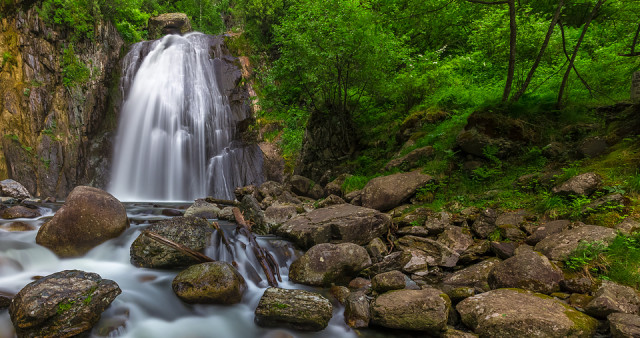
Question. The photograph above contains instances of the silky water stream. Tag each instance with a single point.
(147, 306)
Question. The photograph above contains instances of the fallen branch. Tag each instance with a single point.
(266, 260)
(224, 240)
(221, 201)
(182, 248)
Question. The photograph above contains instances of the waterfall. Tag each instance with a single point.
(177, 137)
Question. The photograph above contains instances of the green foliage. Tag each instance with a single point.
(7, 57)
(584, 256)
(74, 72)
(355, 182)
(77, 16)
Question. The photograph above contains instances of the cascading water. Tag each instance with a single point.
(177, 137)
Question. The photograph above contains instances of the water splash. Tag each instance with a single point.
(177, 132)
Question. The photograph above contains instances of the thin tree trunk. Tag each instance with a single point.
(633, 44)
(565, 79)
(536, 63)
(512, 50)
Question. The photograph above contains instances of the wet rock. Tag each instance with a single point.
(88, 217)
(456, 239)
(376, 249)
(340, 293)
(558, 247)
(5, 300)
(485, 223)
(581, 185)
(275, 215)
(8, 200)
(529, 270)
(335, 224)
(168, 23)
(419, 310)
(519, 313)
(17, 226)
(227, 214)
(387, 281)
(189, 231)
(410, 160)
(254, 215)
(612, 297)
(357, 312)
(441, 254)
(547, 229)
(65, 303)
(329, 263)
(623, 325)
(628, 226)
(11, 188)
(203, 209)
(475, 276)
(19, 211)
(330, 200)
(303, 186)
(294, 309)
(210, 283)
(387, 192)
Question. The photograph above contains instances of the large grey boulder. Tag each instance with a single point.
(168, 23)
(624, 325)
(329, 263)
(294, 309)
(387, 192)
(344, 223)
(439, 253)
(558, 247)
(612, 297)
(65, 303)
(210, 283)
(418, 310)
(11, 188)
(475, 276)
(357, 310)
(203, 209)
(581, 185)
(88, 217)
(191, 232)
(528, 270)
(547, 229)
(519, 313)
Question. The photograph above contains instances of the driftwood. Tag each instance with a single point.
(221, 201)
(223, 237)
(182, 248)
(266, 260)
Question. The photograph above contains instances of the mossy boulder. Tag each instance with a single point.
(612, 297)
(387, 192)
(210, 283)
(387, 281)
(559, 246)
(89, 217)
(520, 313)
(475, 276)
(528, 270)
(327, 263)
(294, 309)
(418, 310)
(65, 303)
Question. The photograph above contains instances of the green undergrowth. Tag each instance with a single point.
(618, 261)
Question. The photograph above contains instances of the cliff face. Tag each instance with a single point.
(54, 137)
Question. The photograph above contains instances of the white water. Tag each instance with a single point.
(147, 306)
(176, 137)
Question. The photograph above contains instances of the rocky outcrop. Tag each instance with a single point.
(419, 310)
(168, 23)
(89, 217)
(335, 224)
(189, 231)
(518, 313)
(329, 263)
(65, 303)
(210, 283)
(56, 137)
(387, 192)
(294, 309)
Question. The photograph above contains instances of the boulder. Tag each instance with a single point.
(329, 263)
(254, 215)
(335, 187)
(623, 325)
(558, 247)
(418, 261)
(65, 303)
(612, 297)
(11, 188)
(456, 239)
(387, 192)
(340, 293)
(503, 250)
(440, 254)
(303, 186)
(19, 211)
(628, 226)
(376, 249)
(168, 23)
(294, 309)
(410, 160)
(357, 312)
(17, 226)
(210, 283)
(476, 252)
(519, 313)
(393, 261)
(277, 214)
(387, 281)
(88, 217)
(335, 224)
(5, 300)
(581, 185)
(547, 229)
(485, 223)
(528, 270)
(203, 209)
(188, 231)
(418, 310)
(475, 276)
(330, 200)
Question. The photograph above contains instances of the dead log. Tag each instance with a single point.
(221, 201)
(182, 248)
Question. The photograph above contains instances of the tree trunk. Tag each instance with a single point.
(554, 21)
(565, 79)
(512, 50)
